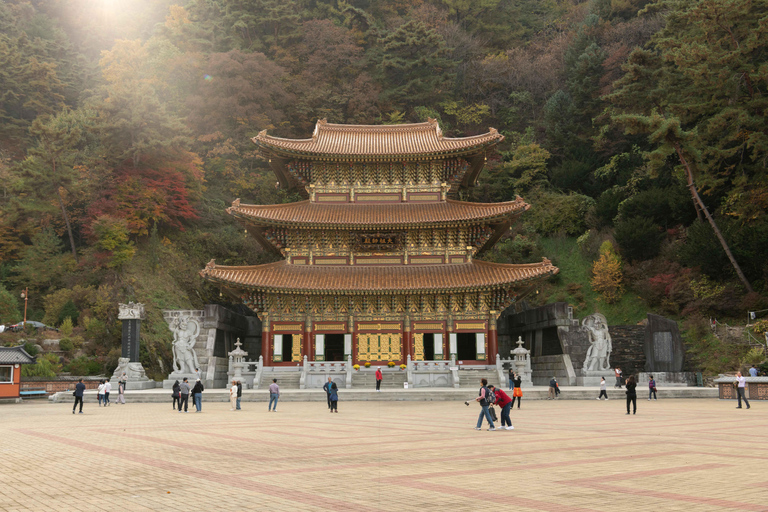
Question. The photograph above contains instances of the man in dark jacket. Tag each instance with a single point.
(327, 388)
(239, 394)
(552, 386)
(79, 390)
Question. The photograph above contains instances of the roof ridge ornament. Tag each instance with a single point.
(211, 264)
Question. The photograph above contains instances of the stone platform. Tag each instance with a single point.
(408, 395)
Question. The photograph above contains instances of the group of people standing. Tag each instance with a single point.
(181, 391)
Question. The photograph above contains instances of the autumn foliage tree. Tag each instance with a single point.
(607, 275)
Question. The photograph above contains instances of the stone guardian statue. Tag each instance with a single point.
(599, 352)
(185, 331)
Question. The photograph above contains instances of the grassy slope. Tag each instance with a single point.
(575, 270)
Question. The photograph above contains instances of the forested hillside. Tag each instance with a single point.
(636, 130)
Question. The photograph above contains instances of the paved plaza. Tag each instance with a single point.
(570, 456)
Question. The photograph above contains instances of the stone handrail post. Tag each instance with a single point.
(409, 370)
(455, 372)
(349, 372)
(304, 370)
(500, 370)
(259, 370)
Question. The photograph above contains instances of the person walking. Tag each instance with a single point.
(503, 401)
(327, 388)
(175, 394)
(274, 394)
(631, 394)
(517, 393)
(651, 389)
(511, 377)
(183, 394)
(482, 397)
(79, 390)
(334, 398)
(100, 392)
(552, 385)
(107, 390)
(557, 389)
(121, 389)
(239, 394)
(603, 390)
(741, 384)
(618, 373)
(379, 377)
(233, 395)
(197, 395)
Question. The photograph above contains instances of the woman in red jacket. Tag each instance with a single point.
(379, 376)
(503, 401)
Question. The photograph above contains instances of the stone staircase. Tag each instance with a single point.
(470, 379)
(285, 379)
(367, 379)
(544, 367)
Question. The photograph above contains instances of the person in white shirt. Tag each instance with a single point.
(742, 382)
(100, 392)
(603, 391)
(107, 389)
(233, 395)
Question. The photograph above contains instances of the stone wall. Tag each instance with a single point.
(628, 343)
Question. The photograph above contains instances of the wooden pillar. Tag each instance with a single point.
(493, 339)
(306, 348)
(266, 342)
(407, 340)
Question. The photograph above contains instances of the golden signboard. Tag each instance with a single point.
(330, 261)
(330, 327)
(379, 347)
(427, 327)
(378, 327)
(287, 327)
(475, 326)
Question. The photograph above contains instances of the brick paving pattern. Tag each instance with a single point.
(569, 456)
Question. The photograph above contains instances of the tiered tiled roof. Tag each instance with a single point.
(306, 214)
(388, 142)
(284, 278)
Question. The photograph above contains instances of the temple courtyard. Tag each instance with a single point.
(566, 455)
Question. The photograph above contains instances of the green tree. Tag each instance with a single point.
(9, 307)
(415, 66)
(43, 264)
(698, 93)
(50, 168)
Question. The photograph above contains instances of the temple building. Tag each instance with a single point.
(380, 259)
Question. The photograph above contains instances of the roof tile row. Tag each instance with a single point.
(283, 277)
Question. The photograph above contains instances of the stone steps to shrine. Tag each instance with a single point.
(471, 378)
(390, 380)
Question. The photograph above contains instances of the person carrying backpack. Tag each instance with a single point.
(651, 389)
(483, 397)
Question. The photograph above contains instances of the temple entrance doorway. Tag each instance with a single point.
(287, 347)
(466, 346)
(429, 346)
(334, 347)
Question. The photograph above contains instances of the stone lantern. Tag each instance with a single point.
(237, 362)
(521, 360)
